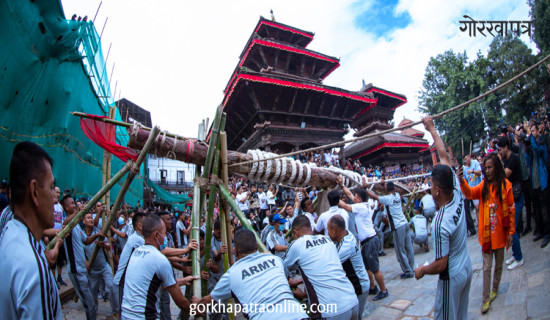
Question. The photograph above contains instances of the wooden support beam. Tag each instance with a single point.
(302, 65)
(69, 227)
(135, 170)
(255, 102)
(262, 54)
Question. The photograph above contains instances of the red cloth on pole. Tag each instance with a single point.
(104, 135)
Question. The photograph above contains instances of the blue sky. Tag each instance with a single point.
(380, 17)
(175, 57)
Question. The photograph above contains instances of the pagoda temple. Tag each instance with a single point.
(389, 149)
(276, 100)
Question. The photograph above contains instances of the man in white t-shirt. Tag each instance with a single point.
(149, 271)
(367, 237)
(428, 205)
(399, 226)
(333, 200)
(262, 198)
(316, 257)
(420, 233)
(242, 201)
(309, 211)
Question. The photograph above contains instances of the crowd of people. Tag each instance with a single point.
(326, 258)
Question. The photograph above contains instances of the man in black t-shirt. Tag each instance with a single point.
(512, 168)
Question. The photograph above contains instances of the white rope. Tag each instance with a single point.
(254, 165)
(277, 171)
(300, 173)
(308, 175)
(268, 168)
(283, 172)
(261, 168)
(293, 174)
(404, 178)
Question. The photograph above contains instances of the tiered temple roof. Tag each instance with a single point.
(275, 97)
(391, 148)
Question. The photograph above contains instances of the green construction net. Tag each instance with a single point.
(50, 66)
(165, 196)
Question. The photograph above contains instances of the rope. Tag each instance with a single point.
(277, 171)
(172, 153)
(403, 178)
(410, 125)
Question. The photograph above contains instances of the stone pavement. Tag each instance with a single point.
(524, 293)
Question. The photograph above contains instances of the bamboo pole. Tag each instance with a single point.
(238, 213)
(69, 227)
(212, 197)
(195, 220)
(225, 179)
(108, 196)
(125, 187)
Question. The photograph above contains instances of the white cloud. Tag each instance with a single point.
(174, 58)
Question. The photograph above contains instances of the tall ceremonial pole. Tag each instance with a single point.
(195, 221)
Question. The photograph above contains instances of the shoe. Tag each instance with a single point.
(485, 307)
(545, 241)
(381, 254)
(492, 296)
(526, 231)
(374, 290)
(381, 295)
(426, 248)
(406, 275)
(515, 264)
(537, 237)
(104, 297)
(509, 261)
(60, 281)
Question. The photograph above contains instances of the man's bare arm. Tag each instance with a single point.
(438, 143)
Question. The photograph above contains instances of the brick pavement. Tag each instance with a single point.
(524, 293)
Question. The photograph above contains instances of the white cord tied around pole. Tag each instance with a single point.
(254, 165)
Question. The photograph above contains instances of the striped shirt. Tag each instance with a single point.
(450, 234)
(6, 216)
(352, 262)
(101, 258)
(324, 278)
(259, 280)
(148, 272)
(134, 241)
(28, 290)
(74, 248)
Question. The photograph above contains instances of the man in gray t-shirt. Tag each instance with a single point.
(398, 223)
(452, 261)
(148, 272)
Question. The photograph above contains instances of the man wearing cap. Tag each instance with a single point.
(399, 226)
(276, 241)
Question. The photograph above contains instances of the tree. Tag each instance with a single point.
(540, 13)
(449, 81)
(508, 56)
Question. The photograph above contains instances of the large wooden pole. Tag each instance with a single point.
(105, 227)
(195, 220)
(212, 197)
(320, 177)
(223, 203)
